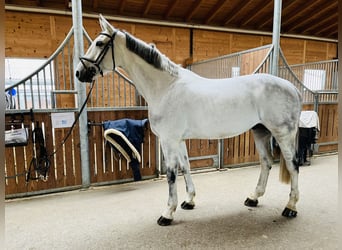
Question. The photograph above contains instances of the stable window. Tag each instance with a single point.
(36, 90)
(314, 79)
(235, 71)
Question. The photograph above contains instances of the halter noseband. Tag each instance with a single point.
(102, 54)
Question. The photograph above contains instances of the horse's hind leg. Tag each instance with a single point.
(262, 138)
(288, 149)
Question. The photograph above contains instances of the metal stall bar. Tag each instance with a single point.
(83, 123)
(276, 36)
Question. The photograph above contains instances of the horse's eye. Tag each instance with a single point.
(99, 43)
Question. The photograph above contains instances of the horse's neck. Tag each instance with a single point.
(150, 82)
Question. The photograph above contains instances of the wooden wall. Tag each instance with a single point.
(34, 35)
(65, 169)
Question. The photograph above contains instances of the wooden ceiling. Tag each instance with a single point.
(316, 18)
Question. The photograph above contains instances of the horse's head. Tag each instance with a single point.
(100, 55)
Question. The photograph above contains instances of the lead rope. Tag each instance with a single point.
(74, 123)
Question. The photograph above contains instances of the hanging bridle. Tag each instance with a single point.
(102, 54)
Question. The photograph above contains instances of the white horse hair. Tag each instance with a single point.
(183, 105)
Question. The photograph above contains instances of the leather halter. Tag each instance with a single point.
(102, 54)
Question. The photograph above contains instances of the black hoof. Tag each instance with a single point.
(187, 206)
(251, 203)
(162, 221)
(289, 213)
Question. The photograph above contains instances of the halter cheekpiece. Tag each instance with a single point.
(102, 54)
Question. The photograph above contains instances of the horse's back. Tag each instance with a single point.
(236, 86)
(257, 91)
(221, 108)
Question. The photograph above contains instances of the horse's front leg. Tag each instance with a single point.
(167, 216)
(170, 152)
(176, 155)
(190, 188)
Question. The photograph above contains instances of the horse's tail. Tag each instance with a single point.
(284, 174)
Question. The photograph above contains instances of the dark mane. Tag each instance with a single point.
(146, 52)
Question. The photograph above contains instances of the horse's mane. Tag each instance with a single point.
(151, 55)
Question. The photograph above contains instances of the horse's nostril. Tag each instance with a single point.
(77, 73)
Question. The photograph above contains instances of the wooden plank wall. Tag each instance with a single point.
(240, 149)
(197, 148)
(65, 164)
(33, 35)
(65, 169)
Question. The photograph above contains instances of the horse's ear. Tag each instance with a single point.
(105, 25)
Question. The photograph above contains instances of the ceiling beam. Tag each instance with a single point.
(235, 11)
(95, 5)
(329, 28)
(304, 20)
(255, 12)
(67, 4)
(327, 15)
(332, 32)
(145, 21)
(122, 6)
(216, 9)
(290, 18)
(330, 17)
(171, 8)
(147, 7)
(193, 9)
(266, 21)
(287, 7)
(316, 18)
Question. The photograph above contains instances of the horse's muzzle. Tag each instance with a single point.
(86, 74)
